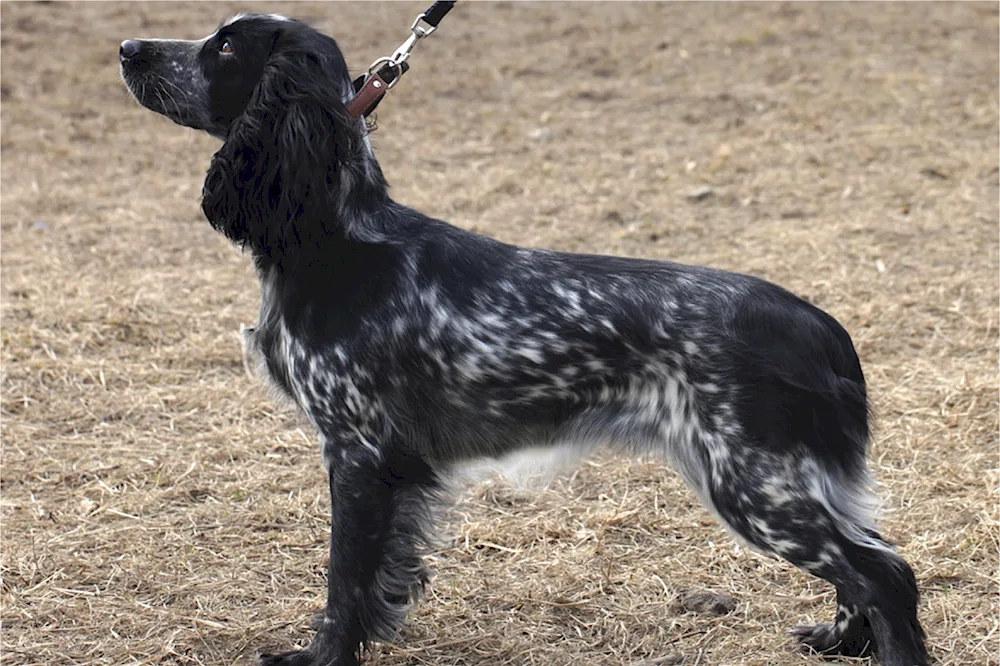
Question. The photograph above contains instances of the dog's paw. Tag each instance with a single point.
(314, 656)
(826, 640)
(287, 659)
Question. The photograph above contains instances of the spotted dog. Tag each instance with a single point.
(413, 345)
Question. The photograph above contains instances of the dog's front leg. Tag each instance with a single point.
(380, 504)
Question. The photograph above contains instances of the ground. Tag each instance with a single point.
(159, 508)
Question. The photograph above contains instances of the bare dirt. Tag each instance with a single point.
(158, 508)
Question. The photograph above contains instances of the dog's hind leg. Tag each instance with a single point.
(849, 635)
(785, 503)
(380, 502)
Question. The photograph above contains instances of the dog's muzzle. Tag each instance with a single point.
(165, 76)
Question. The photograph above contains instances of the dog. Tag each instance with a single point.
(412, 345)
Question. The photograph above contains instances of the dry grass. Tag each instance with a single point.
(158, 509)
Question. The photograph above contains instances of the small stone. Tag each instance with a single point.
(701, 193)
(87, 506)
(614, 216)
(708, 602)
(541, 134)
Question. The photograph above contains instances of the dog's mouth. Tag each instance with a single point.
(164, 76)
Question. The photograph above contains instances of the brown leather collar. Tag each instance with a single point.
(368, 96)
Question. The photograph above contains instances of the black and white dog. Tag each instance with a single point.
(413, 345)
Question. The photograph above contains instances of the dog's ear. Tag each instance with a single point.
(274, 184)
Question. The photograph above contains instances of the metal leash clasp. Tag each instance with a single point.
(418, 30)
(386, 71)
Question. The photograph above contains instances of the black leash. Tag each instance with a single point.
(385, 72)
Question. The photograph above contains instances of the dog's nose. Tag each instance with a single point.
(129, 49)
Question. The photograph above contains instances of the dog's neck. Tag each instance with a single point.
(352, 213)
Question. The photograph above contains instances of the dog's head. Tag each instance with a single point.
(209, 83)
(274, 90)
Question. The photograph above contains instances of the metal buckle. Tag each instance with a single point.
(387, 60)
(417, 32)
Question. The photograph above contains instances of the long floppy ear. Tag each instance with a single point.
(278, 181)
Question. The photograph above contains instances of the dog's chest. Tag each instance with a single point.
(318, 383)
(267, 355)
(268, 349)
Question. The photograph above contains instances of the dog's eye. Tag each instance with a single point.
(226, 47)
